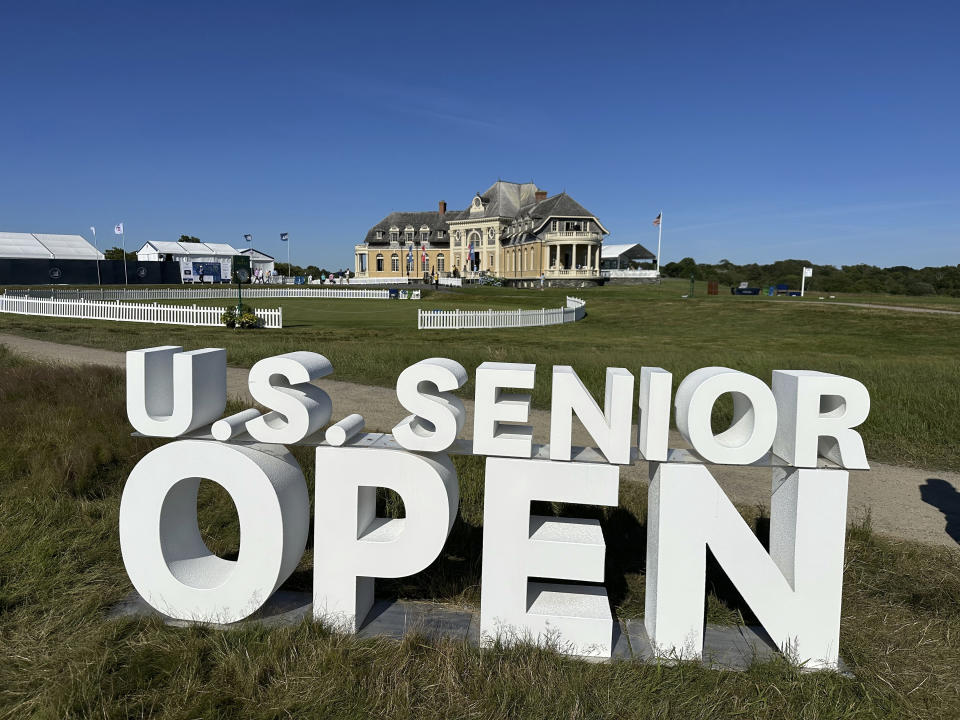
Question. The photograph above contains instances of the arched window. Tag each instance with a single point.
(440, 263)
(379, 262)
(426, 263)
(395, 262)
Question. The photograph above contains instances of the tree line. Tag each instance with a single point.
(898, 280)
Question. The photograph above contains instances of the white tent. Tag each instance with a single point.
(198, 261)
(23, 246)
(259, 260)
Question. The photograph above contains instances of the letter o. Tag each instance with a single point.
(164, 554)
(754, 425)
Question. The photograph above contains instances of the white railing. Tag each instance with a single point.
(452, 281)
(571, 234)
(128, 312)
(629, 273)
(378, 281)
(491, 319)
(205, 293)
(582, 272)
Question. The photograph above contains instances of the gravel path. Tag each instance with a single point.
(904, 502)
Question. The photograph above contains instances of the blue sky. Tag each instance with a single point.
(763, 130)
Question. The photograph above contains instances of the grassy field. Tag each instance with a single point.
(910, 362)
(61, 571)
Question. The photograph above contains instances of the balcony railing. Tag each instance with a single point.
(582, 272)
(572, 235)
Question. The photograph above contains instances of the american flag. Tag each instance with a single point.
(656, 220)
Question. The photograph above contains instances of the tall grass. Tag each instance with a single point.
(66, 448)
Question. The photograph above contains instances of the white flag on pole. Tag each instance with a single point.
(93, 230)
(808, 272)
(118, 230)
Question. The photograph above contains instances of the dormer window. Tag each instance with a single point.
(554, 225)
(379, 234)
(394, 234)
(408, 233)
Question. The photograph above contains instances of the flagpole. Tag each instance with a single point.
(123, 241)
(98, 253)
(659, 236)
(288, 256)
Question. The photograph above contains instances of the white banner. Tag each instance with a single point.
(118, 230)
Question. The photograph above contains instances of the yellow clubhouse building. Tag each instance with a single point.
(513, 231)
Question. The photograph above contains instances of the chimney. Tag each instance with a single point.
(541, 195)
(443, 208)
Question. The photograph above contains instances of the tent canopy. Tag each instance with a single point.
(19, 246)
(634, 252)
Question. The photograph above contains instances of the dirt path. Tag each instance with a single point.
(904, 502)
(901, 308)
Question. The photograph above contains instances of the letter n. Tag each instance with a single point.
(795, 590)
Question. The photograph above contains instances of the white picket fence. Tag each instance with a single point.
(634, 274)
(128, 312)
(452, 281)
(491, 319)
(226, 293)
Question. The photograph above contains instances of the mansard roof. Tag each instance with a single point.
(504, 199)
(519, 200)
(561, 205)
(416, 220)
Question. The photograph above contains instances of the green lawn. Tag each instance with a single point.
(61, 572)
(910, 362)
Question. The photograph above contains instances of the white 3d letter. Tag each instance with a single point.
(795, 591)
(165, 556)
(610, 428)
(171, 392)
(493, 408)
(437, 416)
(754, 425)
(817, 411)
(352, 546)
(282, 383)
(517, 546)
(653, 425)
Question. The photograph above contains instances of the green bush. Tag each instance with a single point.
(246, 319)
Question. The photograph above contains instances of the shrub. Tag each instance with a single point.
(246, 319)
